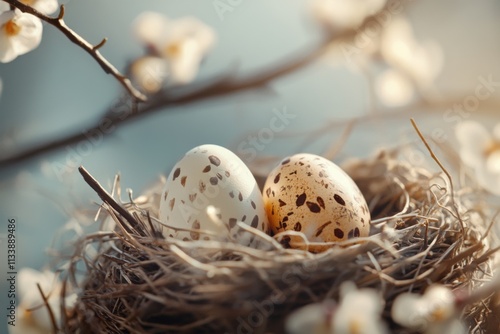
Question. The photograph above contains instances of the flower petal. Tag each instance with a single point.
(149, 73)
(344, 14)
(359, 311)
(28, 279)
(312, 318)
(149, 28)
(184, 67)
(192, 28)
(409, 311)
(496, 132)
(493, 163)
(46, 7)
(30, 35)
(393, 88)
(473, 139)
(7, 52)
(472, 134)
(25, 39)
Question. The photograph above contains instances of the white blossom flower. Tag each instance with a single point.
(43, 6)
(344, 14)
(358, 313)
(312, 318)
(19, 34)
(420, 61)
(32, 315)
(393, 88)
(480, 150)
(149, 73)
(433, 312)
(183, 42)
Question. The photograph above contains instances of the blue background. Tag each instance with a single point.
(58, 89)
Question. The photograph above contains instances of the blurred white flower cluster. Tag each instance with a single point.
(344, 14)
(32, 314)
(386, 48)
(174, 50)
(20, 32)
(480, 150)
(359, 312)
(434, 312)
(412, 67)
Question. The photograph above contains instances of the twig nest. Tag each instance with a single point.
(136, 281)
(310, 194)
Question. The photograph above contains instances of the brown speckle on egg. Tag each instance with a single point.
(183, 181)
(202, 187)
(176, 174)
(285, 241)
(313, 207)
(339, 199)
(338, 233)
(196, 226)
(354, 233)
(213, 181)
(301, 199)
(321, 202)
(297, 226)
(277, 178)
(214, 160)
(321, 228)
(207, 169)
(255, 221)
(232, 222)
(172, 203)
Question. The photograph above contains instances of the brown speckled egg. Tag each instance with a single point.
(311, 194)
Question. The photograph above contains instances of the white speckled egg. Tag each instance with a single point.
(311, 194)
(211, 175)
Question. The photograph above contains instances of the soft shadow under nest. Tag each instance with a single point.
(138, 282)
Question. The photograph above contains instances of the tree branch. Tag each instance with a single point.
(93, 50)
(220, 86)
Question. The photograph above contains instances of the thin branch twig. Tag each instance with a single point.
(218, 88)
(106, 197)
(49, 309)
(93, 50)
(447, 173)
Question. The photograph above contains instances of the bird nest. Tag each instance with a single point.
(137, 281)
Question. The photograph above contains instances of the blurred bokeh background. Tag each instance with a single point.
(58, 89)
